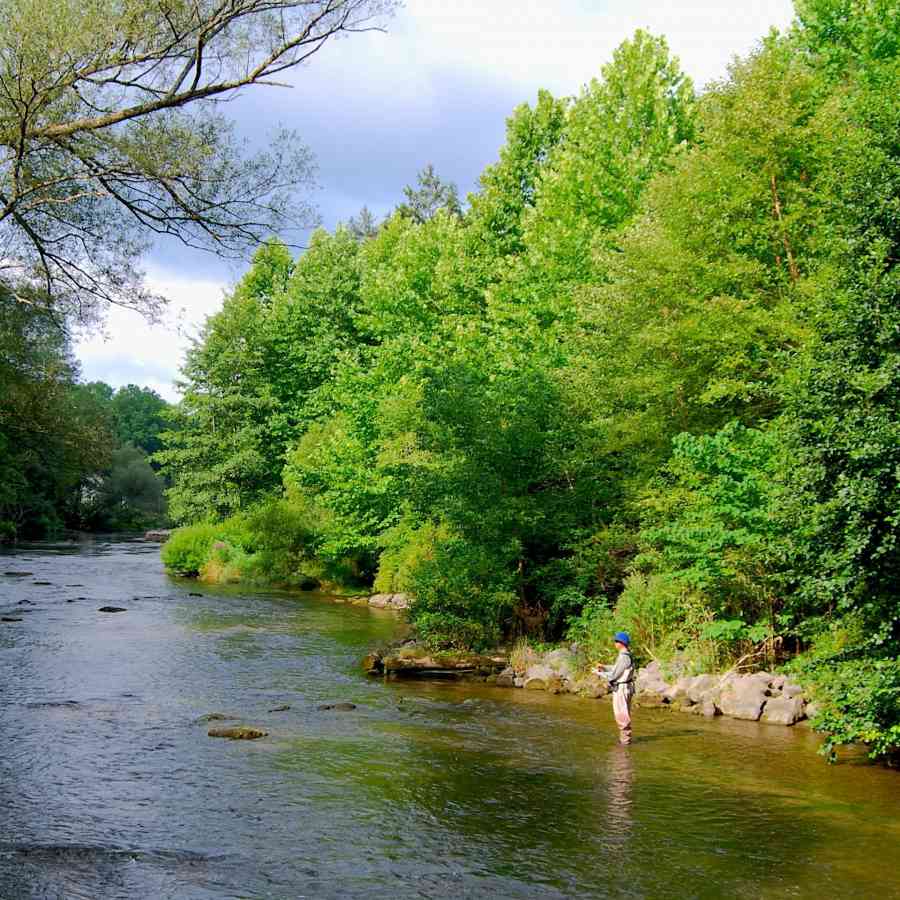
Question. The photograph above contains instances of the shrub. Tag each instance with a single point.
(188, 548)
(463, 594)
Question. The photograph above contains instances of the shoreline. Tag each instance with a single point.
(765, 697)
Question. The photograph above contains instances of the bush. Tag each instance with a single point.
(463, 594)
(853, 673)
(188, 548)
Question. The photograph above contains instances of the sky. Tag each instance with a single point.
(436, 88)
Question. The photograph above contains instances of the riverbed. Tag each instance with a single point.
(111, 788)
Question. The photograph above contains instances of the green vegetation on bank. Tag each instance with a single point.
(648, 378)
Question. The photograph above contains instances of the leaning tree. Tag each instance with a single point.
(112, 134)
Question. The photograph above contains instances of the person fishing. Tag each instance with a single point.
(621, 677)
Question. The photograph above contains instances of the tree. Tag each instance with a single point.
(363, 225)
(431, 194)
(111, 134)
(139, 416)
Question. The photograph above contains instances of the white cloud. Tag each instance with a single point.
(134, 351)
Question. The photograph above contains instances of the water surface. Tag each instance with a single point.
(109, 788)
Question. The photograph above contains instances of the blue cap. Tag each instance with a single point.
(622, 637)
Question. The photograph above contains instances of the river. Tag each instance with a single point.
(111, 789)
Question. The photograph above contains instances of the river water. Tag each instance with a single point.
(109, 788)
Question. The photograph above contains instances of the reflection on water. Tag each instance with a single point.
(111, 789)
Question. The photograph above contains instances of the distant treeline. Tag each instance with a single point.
(72, 455)
(647, 378)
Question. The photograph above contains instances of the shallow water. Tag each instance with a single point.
(110, 789)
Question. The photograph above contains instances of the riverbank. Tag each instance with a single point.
(758, 697)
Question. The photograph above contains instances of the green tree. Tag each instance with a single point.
(139, 416)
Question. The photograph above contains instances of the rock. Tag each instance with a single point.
(650, 700)
(743, 697)
(706, 708)
(18, 574)
(238, 733)
(679, 690)
(791, 689)
(43, 584)
(284, 708)
(160, 535)
(519, 681)
(9, 619)
(539, 677)
(194, 594)
(701, 687)
(507, 678)
(593, 686)
(389, 601)
(373, 664)
(783, 710)
(111, 609)
(213, 717)
(339, 707)
(562, 661)
(813, 709)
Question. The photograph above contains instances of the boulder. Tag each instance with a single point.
(791, 689)
(593, 686)
(238, 733)
(783, 710)
(702, 687)
(650, 699)
(507, 678)
(706, 707)
(678, 692)
(562, 661)
(389, 601)
(539, 677)
(743, 696)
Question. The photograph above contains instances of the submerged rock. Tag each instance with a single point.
(18, 574)
(238, 733)
(10, 619)
(283, 708)
(340, 707)
(112, 609)
(214, 717)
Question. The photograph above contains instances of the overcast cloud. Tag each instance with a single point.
(437, 88)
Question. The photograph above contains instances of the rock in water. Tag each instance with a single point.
(18, 574)
(9, 619)
(743, 697)
(238, 733)
(214, 717)
(112, 609)
(283, 708)
(342, 707)
(784, 710)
